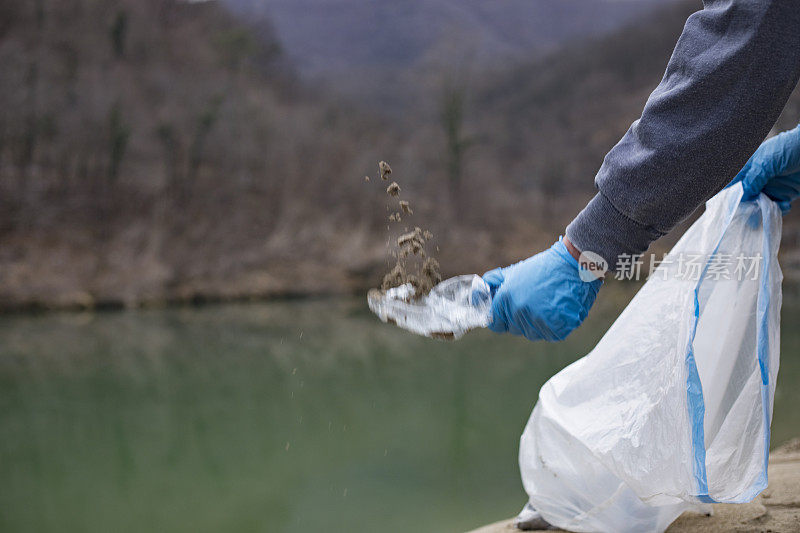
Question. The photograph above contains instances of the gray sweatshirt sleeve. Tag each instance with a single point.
(729, 77)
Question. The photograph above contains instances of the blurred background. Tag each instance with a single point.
(157, 150)
(160, 152)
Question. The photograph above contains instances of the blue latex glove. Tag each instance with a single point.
(542, 297)
(774, 169)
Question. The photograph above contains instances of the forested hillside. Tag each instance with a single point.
(161, 150)
(157, 150)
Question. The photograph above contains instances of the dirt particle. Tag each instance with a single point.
(366, 178)
(411, 236)
(394, 278)
(431, 270)
(413, 264)
(385, 170)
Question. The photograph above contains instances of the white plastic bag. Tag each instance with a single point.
(672, 407)
(452, 308)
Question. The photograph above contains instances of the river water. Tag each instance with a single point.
(287, 416)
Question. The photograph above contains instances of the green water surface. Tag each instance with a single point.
(289, 416)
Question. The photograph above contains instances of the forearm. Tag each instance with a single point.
(730, 75)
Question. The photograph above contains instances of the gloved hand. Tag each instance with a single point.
(542, 297)
(774, 169)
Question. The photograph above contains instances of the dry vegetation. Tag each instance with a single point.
(155, 150)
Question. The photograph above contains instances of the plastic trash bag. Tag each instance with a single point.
(452, 308)
(672, 408)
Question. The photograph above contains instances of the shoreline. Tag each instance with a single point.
(194, 301)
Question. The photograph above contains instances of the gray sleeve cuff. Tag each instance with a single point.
(602, 229)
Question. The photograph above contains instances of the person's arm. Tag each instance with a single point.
(729, 77)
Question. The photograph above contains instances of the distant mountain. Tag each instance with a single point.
(390, 54)
(332, 36)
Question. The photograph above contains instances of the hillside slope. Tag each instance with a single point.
(326, 36)
(156, 151)
(388, 54)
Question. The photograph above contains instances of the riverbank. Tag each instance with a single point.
(775, 510)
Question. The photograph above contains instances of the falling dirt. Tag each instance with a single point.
(385, 170)
(413, 264)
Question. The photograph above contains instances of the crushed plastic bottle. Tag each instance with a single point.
(452, 308)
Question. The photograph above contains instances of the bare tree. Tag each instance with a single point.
(456, 143)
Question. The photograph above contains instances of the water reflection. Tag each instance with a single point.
(290, 416)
